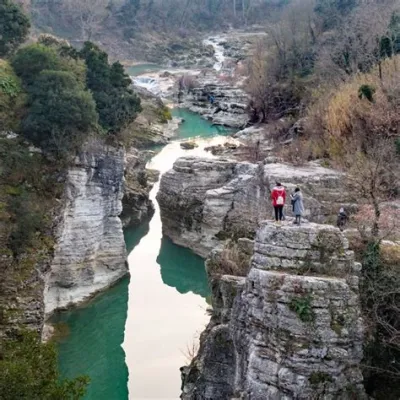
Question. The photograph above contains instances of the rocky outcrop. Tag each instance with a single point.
(90, 252)
(229, 104)
(203, 201)
(291, 329)
(154, 125)
(136, 205)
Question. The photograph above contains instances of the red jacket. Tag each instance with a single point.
(278, 191)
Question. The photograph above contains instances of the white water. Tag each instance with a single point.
(219, 51)
(147, 82)
(160, 323)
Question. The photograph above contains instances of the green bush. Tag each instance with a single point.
(12, 97)
(303, 308)
(28, 371)
(117, 104)
(14, 27)
(31, 60)
(61, 113)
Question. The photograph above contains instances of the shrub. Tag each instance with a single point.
(380, 299)
(231, 261)
(14, 27)
(61, 113)
(12, 97)
(29, 371)
(303, 308)
(31, 60)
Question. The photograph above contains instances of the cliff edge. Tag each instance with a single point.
(291, 329)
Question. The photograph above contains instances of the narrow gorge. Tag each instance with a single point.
(142, 253)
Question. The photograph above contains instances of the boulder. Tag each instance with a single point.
(188, 145)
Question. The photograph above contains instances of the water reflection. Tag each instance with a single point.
(93, 344)
(133, 236)
(182, 269)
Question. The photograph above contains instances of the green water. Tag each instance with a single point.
(195, 126)
(163, 314)
(93, 346)
(141, 69)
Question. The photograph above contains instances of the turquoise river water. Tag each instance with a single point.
(132, 339)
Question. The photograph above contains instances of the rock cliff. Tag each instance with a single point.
(136, 205)
(203, 201)
(291, 329)
(90, 251)
(229, 105)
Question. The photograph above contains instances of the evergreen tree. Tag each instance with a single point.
(14, 27)
(117, 104)
(61, 113)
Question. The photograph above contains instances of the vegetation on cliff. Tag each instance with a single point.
(52, 97)
(326, 66)
(14, 27)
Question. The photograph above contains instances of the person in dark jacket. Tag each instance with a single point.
(297, 204)
(342, 219)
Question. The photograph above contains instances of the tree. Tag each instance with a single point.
(31, 60)
(331, 11)
(117, 104)
(61, 113)
(90, 14)
(28, 370)
(14, 27)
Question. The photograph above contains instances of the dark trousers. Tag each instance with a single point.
(278, 213)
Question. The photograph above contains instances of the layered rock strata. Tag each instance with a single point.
(229, 105)
(90, 252)
(136, 205)
(291, 329)
(204, 201)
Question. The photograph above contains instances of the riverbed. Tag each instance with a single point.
(132, 339)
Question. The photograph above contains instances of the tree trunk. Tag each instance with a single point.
(377, 215)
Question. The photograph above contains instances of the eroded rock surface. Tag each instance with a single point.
(137, 206)
(204, 201)
(90, 253)
(229, 100)
(291, 329)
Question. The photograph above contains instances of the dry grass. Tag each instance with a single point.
(191, 351)
(230, 261)
(341, 122)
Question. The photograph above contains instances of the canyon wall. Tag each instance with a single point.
(90, 251)
(204, 201)
(291, 329)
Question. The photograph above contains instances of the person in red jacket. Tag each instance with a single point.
(278, 197)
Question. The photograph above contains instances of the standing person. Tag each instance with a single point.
(278, 197)
(298, 206)
(341, 219)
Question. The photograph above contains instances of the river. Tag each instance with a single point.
(132, 339)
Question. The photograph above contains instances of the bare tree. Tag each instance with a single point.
(89, 15)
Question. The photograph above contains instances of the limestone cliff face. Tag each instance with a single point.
(90, 252)
(203, 201)
(136, 205)
(291, 329)
(230, 101)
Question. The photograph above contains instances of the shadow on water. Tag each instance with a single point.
(133, 236)
(93, 346)
(96, 332)
(182, 269)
